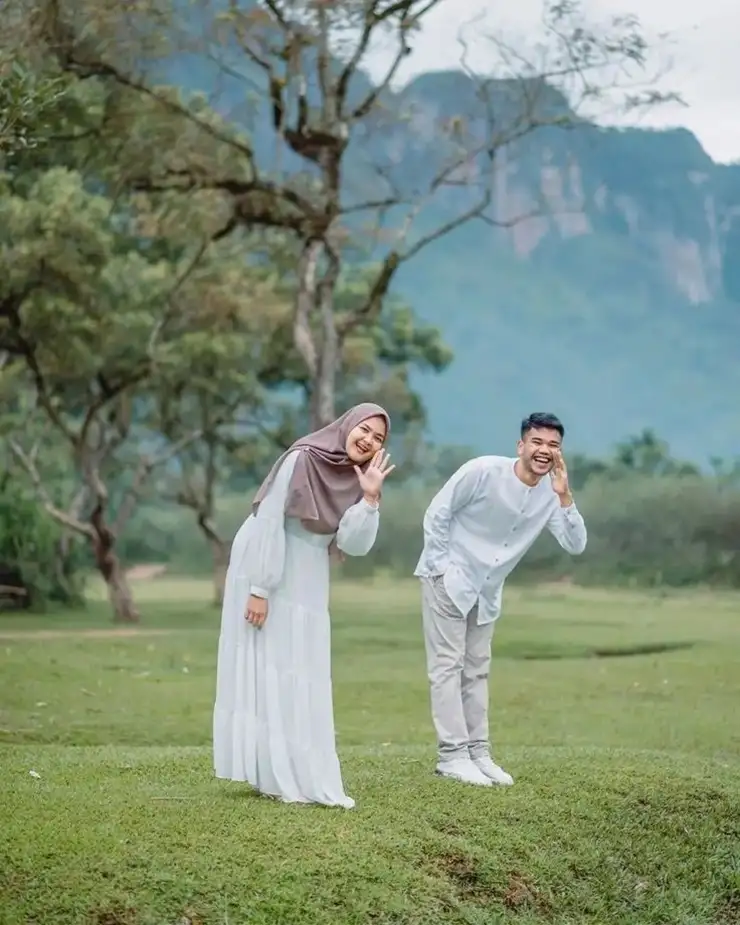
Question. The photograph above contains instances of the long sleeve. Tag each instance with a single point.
(568, 527)
(358, 529)
(458, 491)
(262, 556)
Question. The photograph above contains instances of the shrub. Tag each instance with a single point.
(31, 548)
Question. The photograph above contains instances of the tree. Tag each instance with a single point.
(376, 359)
(215, 390)
(87, 317)
(239, 408)
(46, 561)
(32, 571)
(646, 454)
(28, 94)
(25, 99)
(321, 162)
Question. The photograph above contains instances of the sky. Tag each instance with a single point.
(700, 57)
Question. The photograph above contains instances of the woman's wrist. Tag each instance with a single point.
(372, 500)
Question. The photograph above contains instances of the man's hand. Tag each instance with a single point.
(559, 477)
(256, 611)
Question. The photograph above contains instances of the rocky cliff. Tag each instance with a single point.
(657, 191)
(617, 305)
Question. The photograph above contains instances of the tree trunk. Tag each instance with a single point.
(114, 576)
(323, 405)
(317, 281)
(220, 553)
(120, 596)
(324, 392)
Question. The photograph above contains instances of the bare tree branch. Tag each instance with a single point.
(277, 13)
(146, 466)
(376, 205)
(409, 18)
(242, 33)
(65, 518)
(247, 195)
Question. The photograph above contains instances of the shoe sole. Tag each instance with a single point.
(462, 780)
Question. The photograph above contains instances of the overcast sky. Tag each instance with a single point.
(704, 48)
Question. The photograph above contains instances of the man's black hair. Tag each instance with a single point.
(542, 420)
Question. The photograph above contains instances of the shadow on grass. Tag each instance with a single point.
(569, 652)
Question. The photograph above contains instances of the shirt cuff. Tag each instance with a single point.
(373, 508)
(259, 592)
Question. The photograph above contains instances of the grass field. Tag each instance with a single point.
(617, 714)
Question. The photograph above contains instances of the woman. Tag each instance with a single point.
(273, 723)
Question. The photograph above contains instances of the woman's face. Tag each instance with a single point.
(366, 439)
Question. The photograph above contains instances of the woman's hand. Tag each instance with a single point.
(256, 611)
(371, 480)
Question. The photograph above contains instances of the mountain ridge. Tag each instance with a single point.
(618, 308)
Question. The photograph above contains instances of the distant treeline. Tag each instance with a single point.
(652, 521)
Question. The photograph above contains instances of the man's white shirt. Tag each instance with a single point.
(481, 523)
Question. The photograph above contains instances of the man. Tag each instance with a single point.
(476, 530)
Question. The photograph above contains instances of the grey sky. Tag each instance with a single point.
(703, 49)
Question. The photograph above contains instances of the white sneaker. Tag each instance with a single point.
(464, 770)
(492, 771)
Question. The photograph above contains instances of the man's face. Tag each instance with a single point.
(538, 450)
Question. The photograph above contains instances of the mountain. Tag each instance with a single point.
(617, 306)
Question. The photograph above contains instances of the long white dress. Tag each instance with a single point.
(273, 721)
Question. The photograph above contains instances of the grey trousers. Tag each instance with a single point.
(458, 661)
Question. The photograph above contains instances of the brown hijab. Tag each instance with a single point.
(324, 482)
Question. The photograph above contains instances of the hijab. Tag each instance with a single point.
(324, 482)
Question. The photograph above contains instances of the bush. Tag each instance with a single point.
(171, 535)
(671, 532)
(31, 548)
(646, 531)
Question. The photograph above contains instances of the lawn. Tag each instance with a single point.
(617, 714)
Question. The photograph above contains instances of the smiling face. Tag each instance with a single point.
(537, 451)
(364, 441)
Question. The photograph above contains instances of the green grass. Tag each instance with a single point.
(626, 807)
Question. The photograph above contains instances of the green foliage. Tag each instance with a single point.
(73, 296)
(27, 99)
(31, 543)
(671, 532)
(148, 346)
(133, 342)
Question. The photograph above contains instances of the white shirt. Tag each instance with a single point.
(481, 523)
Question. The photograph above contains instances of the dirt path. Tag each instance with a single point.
(115, 632)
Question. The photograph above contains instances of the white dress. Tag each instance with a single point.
(273, 721)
